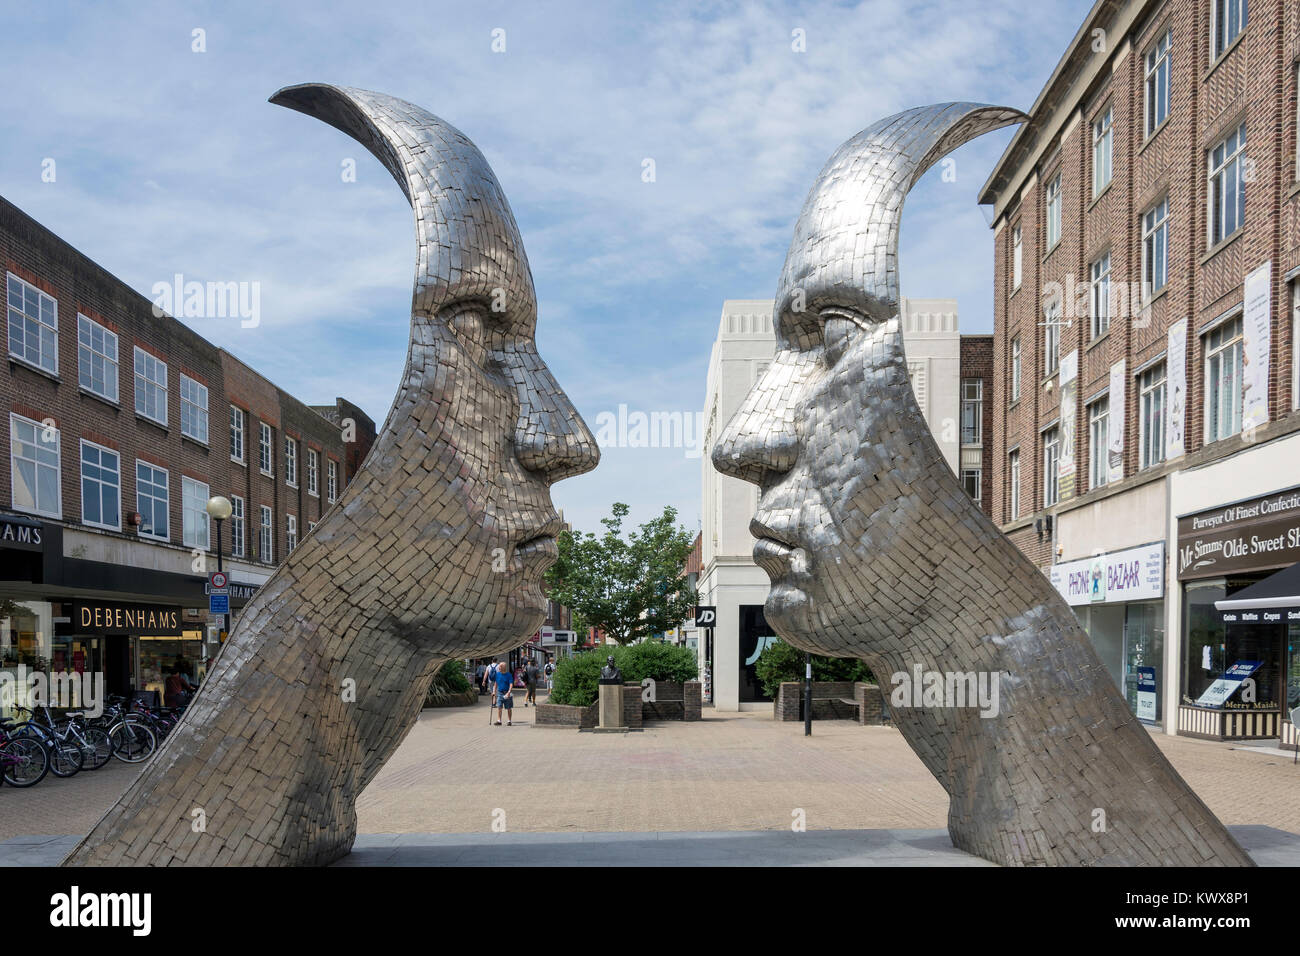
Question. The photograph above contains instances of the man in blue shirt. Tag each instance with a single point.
(505, 690)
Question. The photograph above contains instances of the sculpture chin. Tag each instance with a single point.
(789, 611)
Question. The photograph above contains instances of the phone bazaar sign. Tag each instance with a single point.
(1135, 574)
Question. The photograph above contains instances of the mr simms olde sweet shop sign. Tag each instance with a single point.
(1251, 535)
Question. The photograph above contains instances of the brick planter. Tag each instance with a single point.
(566, 715)
(673, 701)
(827, 697)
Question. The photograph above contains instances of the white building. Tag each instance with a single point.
(729, 579)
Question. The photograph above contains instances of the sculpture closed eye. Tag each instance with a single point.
(875, 551)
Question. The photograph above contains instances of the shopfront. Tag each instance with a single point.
(1237, 664)
(1119, 601)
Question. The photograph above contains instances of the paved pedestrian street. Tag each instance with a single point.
(728, 772)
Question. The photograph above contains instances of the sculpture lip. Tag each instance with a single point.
(765, 532)
(547, 532)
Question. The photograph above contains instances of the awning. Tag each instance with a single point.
(1278, 595)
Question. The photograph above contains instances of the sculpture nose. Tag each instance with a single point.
(761, 441)
(551, 438)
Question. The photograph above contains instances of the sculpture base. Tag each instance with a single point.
(610, 710)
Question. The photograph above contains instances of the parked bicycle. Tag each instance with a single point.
(24, 761)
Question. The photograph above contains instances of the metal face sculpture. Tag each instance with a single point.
(876, 552)
(434, 551)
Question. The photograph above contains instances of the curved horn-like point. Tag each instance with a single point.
(455, 195)
(846, 238)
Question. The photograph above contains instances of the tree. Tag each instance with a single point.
(629, 588)
(782, 662)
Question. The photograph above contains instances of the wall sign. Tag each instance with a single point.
(1252, 535)
(22, 534)
(1135, 574)
(1069, 403)
(1175, 389)
(1256, 331)
(1146, 693)
(104, 617)
(1115, 424)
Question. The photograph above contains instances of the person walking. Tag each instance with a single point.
(479, 671)
(488, 679)
(530, 681)
(505, 694)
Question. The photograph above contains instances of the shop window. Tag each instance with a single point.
(25, 639)
(101, 486)
(96, 358)
(33, 325)
(1211, 647)
(35, 466)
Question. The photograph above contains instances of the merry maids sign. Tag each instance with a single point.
(1136, 574)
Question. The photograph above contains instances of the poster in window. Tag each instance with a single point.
(1256, 330)
(1069, 405)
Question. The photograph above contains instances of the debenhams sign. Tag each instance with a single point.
(20, 533)
(1251, 535)
(103, 618)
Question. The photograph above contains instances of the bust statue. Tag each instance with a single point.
(610, 671)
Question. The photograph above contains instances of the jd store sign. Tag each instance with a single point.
(1253, 535)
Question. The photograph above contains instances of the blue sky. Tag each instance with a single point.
(169, 160)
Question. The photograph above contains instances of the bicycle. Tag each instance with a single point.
(132, 739)
(66, 757)
(74, 728)
(24, 762)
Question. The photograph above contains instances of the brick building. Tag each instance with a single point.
(1146, 252)
(121, 424)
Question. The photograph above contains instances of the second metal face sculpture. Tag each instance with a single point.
(876, 552)
(435, 550)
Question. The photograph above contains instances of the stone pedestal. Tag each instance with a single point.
(610, 709)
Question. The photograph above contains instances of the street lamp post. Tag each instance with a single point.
(219, 509)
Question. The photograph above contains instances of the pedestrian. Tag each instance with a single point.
(489, 676)
(550, 671)
(478, 676)
(505, 694)
(530, 681)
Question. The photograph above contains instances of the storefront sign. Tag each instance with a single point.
(1069, 402)
(1175, 389)
(1223, 688)
(22, 534)
(1135, 574)
(1256, 331)
(111, 618)
(1252, 535)
(1115, 424)
(1146, 693)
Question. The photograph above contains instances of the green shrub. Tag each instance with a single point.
(782, 662)
(577, 678)
(449, 682)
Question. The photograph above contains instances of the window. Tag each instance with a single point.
(264, 461)
(970, 480)
(1102, 140)
(1052, 339)
(1155, 248)
(1054, 211)
(1157, 89)
(236, 434)
(1099, 292)
(194, 410)
(236, 526)
(1223, 381)
(34, 462)
(1151, 416)
(194, 502)
(33, 325)
(101, 486)
(1295, 344)
(1228, 19)
(1013, 469)
(311, 526)
(1227, 190)
(1051, 456)
(265, 550)
(1017, 257)
(150, 386)
(290, 462)
(151, 500)
(313, 469)
(291, 532)
(1098, 442)
(972, 412)
(332, 480)
(96, 358)
(1015, 368)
